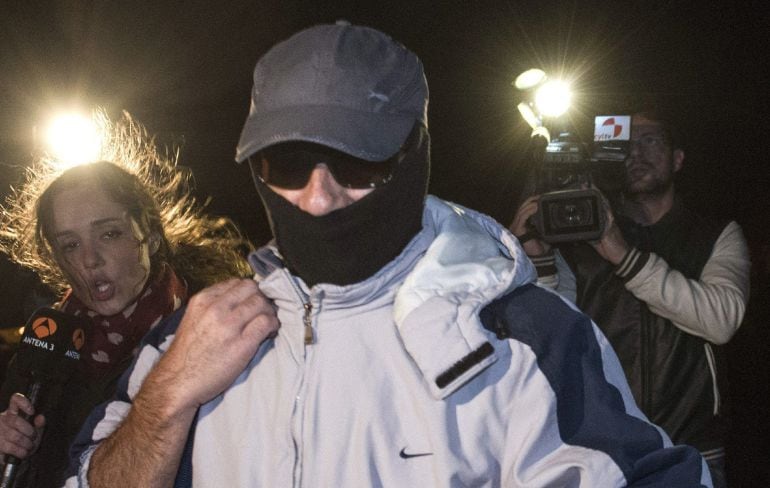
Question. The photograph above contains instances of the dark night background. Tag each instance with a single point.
(184, 70)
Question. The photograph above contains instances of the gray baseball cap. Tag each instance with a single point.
(347, 87)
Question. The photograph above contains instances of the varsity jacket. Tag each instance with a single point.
(677, 295)
(448, 367)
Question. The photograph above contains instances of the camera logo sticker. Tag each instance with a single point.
(78, 339)
(612, 128)
(44, 327)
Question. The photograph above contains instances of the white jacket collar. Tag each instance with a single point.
(458, 263)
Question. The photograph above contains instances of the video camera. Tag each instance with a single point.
(572, 178)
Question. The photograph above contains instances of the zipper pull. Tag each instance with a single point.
(308, 327)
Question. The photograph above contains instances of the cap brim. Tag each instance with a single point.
(372, 137)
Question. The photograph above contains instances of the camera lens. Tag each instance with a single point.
(572, 213)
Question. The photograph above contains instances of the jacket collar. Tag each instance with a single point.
(459, 262)
(470, 261)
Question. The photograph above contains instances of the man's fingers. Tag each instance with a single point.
(217, 338)
(527, 210)
(244, 291)
(17, 425)
(242, 303)
(19, 450)
(529, 203)
(220, 303)
(254, 306)
(17, 436)
(218, 323)
(214, 293)
(225, 295)
(261, 327)
(19, 403)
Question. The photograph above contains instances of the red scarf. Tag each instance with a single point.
(111, 339)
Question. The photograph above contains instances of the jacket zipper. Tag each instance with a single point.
(307, 316)
(306, 319)
(308, 340)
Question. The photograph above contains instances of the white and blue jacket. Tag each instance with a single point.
(448, 367)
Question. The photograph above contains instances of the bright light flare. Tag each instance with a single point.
(73, 139)
(553, 98)
(529, 79)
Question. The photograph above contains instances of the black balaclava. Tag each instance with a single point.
(351, 244)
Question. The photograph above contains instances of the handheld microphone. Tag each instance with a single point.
(47, 354)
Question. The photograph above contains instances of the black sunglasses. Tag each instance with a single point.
(289, 165)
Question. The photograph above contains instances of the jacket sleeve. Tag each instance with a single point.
(103, 420)
(554, 273)
(711, 307)
(575, 422)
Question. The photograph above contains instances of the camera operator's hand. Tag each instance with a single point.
(612, 246)
(520, 227)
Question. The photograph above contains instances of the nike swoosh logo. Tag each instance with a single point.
(404, 455)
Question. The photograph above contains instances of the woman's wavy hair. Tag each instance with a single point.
(202, 249)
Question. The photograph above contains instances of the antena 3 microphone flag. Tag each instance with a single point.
(50, 346)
